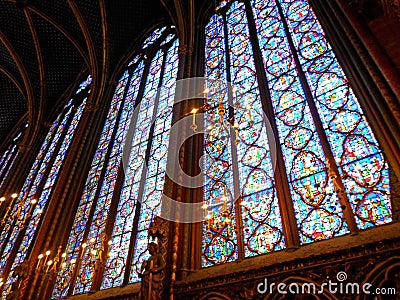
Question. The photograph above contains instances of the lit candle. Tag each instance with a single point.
(33, 202)
(208, 217)
(13, 196)
(47, 256)
(39, 259)
(84, 245)
(18, 212)
(224, 201)
(205, 92)
(49, 263)
(236, 127)
(194, 126)
(63, 256)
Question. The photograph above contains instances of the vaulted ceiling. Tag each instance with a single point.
(45, 45)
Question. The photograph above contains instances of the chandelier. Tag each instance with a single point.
(8, 215)
(223, 117)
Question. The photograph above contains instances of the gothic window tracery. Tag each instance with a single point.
(27, 209)
(281, 66)
(127, 173)
(9, 156)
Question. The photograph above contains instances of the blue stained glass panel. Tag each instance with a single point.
(352, 141)
(38, 186)
(290, 78)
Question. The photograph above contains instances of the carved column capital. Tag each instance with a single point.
(23, 148)
(92, 107)
(184, 49)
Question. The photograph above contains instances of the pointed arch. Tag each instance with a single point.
(124, 185)
(298, 161)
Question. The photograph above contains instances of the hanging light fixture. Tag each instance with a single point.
(11, 200)
(224, 116)
(220, 107)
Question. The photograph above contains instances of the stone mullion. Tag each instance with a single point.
(26, 156)
(146, 163)
(99, 268)
(129, 139)
(333, 169)
(96, 197)
(233, 148)
(84, 147)
(372, 77)
(27, 168)
(286, 208)
(28, 217)
(47, 227)
(8, 164)
(178, 252)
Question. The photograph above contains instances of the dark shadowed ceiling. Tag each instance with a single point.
(45, 44)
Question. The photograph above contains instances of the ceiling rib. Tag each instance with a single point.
(39, 55)
(24, 74)
(93, 68)
(62, 30)
(104, 29)
(13, 79)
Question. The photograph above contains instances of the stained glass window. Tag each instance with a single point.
(9, 156)
(26, 211)
(137, 126)
(298, 103)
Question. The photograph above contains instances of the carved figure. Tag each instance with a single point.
(152, 275)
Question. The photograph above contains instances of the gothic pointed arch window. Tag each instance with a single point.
(306, 165)
(24, 214)
(9, 155)
(123, 189)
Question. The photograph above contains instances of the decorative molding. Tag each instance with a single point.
(159, 229)
(23, 148)
(184, 49)
(91, 107)
(358, 263)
